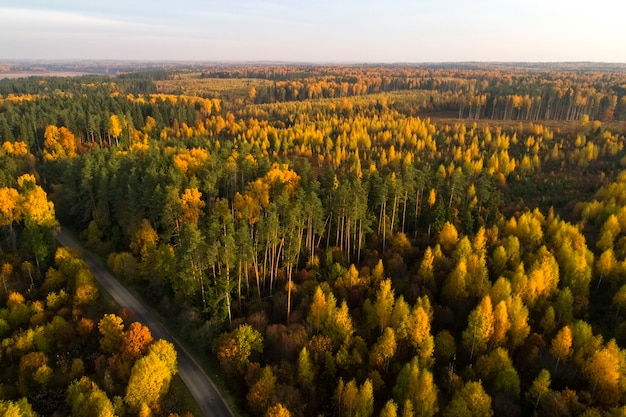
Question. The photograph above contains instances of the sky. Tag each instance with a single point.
(321, 31)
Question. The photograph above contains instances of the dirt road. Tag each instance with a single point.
(198, 383)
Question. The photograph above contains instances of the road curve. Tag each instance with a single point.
(203, 390)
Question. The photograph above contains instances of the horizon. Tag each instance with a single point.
(327, 32)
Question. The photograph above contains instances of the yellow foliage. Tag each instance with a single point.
(10, 206)
(192, 204)
(37, 207)
(17, 148)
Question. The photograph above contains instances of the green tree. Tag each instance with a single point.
(365, 400)
(539, 388)
(454, 287)
(416, 387)
(87, 399)
(306, 373)
(469, 401)
(497, 373)
(234, 348)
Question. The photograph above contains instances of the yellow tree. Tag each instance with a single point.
(278, 410)
(318, 310)
(501, 324)
(480, 327)
(111, 327)
(10, 210)
(149, 380)
(35, 204)
(383, 306)
(192, 204)
(384, 349)
(115, 126)
(389, 410)
(262, 391)
(59, 143)
(448, 237)
(562, 345)
(419, 333)
(604, 371)
(426, 269)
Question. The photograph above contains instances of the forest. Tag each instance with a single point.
(349, 241)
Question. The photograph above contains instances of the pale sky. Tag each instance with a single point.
(315, 30)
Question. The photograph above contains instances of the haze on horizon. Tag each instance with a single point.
(322, 31)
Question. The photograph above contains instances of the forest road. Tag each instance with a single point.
(203, 390)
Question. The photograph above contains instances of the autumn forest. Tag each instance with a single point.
(348, 241)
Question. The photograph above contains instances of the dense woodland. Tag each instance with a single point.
(342, 241)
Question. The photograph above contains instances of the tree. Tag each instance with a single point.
(415, 386)
(518, 317)
(10, 211)
(87, 399)
(497, 373)
(469, 401)
(235, 348)
(383, 305)
(278, 410)
(135, 341)
(192, 205)
(480, 327)
(454, 287)
(166, 352)
(619, 299)
(149, 380)
(261, 392)
(389, 410)
(419, 332)
(539, 388)
(400, 318)
(115, 126)
(384, 349)
(306, 373)
(20, 408)
(425, 271)
(501, 324)
(604, 372)
(35, 205)
(111, 327)
(318, 310)
(448, 237)
(562, 345)
(365, 400)
(59, 143)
